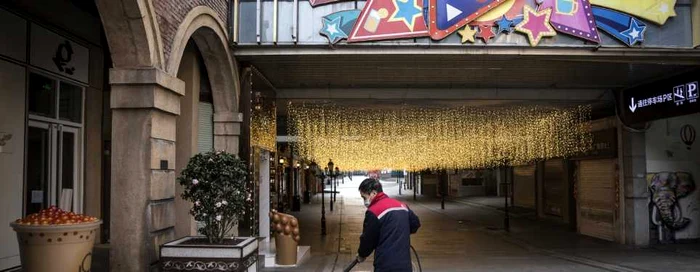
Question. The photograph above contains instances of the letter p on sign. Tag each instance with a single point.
(692, 90)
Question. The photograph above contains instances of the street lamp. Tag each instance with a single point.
(333, 175)
(329, 170)
(296, 204)
(307, 190)
(318, 173)
(337, 173)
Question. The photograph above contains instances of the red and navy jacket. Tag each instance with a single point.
(386, 231)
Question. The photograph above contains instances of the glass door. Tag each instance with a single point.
(40, 157)
(68, 164)
(53, 167)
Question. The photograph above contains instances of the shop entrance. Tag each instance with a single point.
(54, 145)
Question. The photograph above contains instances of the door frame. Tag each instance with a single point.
(55, 168)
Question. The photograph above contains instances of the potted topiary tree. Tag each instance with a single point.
(215, 182)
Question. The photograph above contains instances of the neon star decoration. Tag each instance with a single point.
(505, 16)
(389, 20)
(504, 25)
(572, 17)
(511, 9)
(331, 29)
(486, 33)
(622, 26)
(407, 11)
(467, 34)
(536, 25)
(657, 11)
(635, 33)
(336, 26)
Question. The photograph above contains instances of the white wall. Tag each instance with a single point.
(264, 196)
(12, 120)
(665, 151)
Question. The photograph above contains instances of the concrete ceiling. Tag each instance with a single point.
(451, 71)
(453, 80)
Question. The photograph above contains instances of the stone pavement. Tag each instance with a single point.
(468, 236)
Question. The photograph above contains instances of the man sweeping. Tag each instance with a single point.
(386, 230)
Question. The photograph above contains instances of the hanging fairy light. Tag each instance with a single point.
(415, 138)
(263, 126)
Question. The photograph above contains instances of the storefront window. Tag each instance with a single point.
(70, 103)
(42, 95)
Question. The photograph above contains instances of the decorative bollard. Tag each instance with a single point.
(286, 231)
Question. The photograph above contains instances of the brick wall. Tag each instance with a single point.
(170, 14)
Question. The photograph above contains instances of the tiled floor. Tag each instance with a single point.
(468, 237)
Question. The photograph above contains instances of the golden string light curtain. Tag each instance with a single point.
(447, 138)
(263, 127)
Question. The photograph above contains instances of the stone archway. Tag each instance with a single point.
(209, 33)
(145, 101)
(132, 33)
(201, 38)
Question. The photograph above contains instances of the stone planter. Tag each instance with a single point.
(56, 248)
(184, 255)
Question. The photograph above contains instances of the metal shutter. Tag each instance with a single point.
(596, 198)
(524, 186)
(555, 189)
(205, 128)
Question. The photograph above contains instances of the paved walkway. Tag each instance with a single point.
(468, 237)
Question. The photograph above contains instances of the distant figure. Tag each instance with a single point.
(374, 174)
(386, 230)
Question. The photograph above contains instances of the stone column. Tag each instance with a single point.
(227, 131)
(145, 104)
(635, 209)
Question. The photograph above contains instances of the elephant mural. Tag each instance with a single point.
(666, 189)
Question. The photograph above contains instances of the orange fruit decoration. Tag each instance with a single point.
(55, 216)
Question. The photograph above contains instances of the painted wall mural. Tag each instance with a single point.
(666, 188)
(625, 20)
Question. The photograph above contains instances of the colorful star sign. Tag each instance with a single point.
(446, 16)
(622, 26)
(467, 34)
(486, 33)
(573, 17)
(536, 24)
(510, 9)
(336, 26)
(657, 11)
(504, 25)
(389, 19)
(407, 11)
